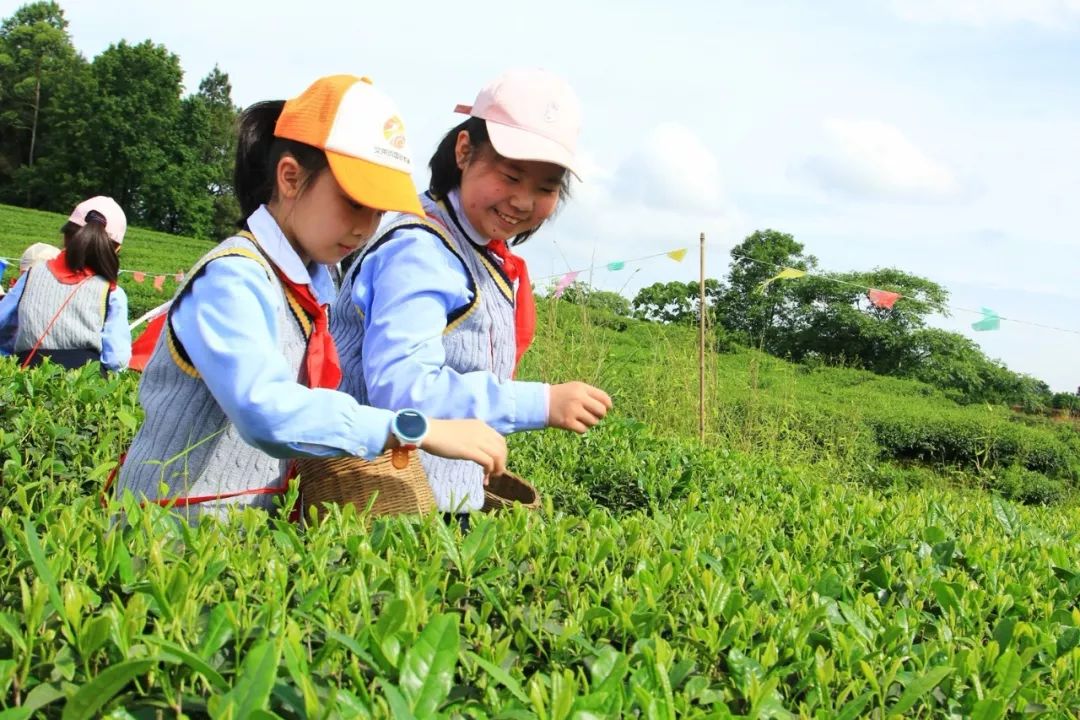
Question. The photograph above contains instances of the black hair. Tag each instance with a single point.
(446, 175)
(258, 153)
(89, 246)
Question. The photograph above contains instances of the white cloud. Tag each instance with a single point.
(655, 199)
(875, 160)
(672, 170)
(1046, 13)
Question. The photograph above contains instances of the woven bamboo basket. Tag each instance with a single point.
(504, 490)
(355, 480)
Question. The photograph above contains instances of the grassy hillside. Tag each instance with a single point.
(830, 551)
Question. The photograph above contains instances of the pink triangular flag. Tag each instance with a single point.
(138, 276)
(564, 282)
(159, 282)
(883, 298)
(179, 277)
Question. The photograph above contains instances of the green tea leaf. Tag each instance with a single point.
(92, 696)
(919, 687)
(252, 686)
(500, 675)
(427, 672)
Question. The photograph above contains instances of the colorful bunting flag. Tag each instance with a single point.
(990, 321)
(677, 255)
(159, 282)
(179, 277)
(3, 267)
(617, 265)
(883, 298)
(138, 276)
(785, 274)
(564, 282)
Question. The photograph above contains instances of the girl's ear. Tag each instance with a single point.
(462, 149)
(289, 177)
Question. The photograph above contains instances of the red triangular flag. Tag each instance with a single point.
(138, 276)
(159, 282)
(143, 347)
(883, 298)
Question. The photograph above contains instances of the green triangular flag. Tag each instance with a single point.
(990, 321)
(617, 265)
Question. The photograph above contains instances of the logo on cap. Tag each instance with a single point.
(394, 132)
(552, 111)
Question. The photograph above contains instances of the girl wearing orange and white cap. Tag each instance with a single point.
(244, 373)
(445, 308)
(70, 308)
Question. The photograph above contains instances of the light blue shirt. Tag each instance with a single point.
(226, 320)
(115, 334)
(405, 290)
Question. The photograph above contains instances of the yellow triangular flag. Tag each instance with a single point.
(677, 255)
(785, 274)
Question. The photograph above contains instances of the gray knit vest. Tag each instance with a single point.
(479, 336)
(186, 446)
(79, 324)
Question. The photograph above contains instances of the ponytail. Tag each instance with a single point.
(91, 247)
(446, 175)
(258, 153)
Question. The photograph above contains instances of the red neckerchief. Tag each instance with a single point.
(58, 266)
(323, 369)
(524, 303)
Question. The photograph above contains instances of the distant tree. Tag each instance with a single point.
(676, 302)
(743, 307)
(830, 316)
(212, 118)
(580, 293)
(36, 58)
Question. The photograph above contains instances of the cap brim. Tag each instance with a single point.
(375, 186)
(518, 144)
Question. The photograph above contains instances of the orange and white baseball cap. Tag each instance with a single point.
(531, 114)
(361, 132)
(106, 207)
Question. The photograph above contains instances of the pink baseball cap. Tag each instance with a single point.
(531, 114)
(115, 220)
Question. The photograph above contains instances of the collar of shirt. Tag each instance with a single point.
(454, 200)
(277, 247)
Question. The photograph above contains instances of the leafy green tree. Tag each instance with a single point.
(581, 293)
(676, 302)
(744, 308)
(36, 58)
(830, 316)
(211, 121)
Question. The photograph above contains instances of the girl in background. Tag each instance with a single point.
(437, 312)
(70, 309)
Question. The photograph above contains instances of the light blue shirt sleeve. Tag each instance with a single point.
(9, 317)
(116, 335)
(405, 291)
(227, 323)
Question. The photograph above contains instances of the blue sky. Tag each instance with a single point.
(942, 138)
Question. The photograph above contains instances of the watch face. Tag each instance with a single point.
(410, 424)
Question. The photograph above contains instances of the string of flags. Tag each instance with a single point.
(879, 298)
(139, 276)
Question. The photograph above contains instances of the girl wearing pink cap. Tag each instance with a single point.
(70, 308)
(437, 311)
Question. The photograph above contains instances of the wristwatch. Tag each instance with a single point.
(409, 427)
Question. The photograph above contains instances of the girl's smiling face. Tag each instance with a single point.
(322, 223)
(502, 197)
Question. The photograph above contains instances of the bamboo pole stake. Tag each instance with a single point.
(701, 345)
